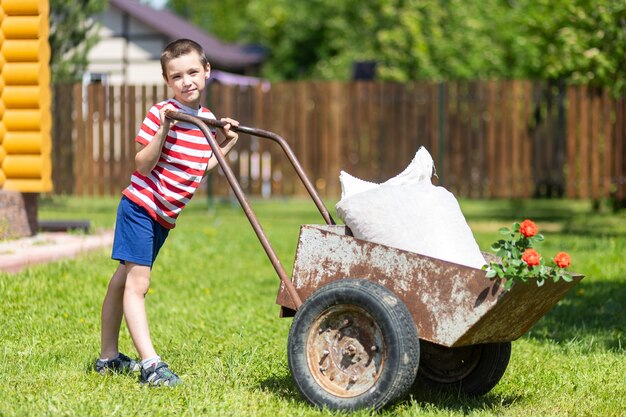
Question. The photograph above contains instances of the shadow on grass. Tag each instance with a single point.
(284, 388)
(592, 311)
(456, 402)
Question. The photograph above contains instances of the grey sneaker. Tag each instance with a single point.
(121, 364)
(159, 374)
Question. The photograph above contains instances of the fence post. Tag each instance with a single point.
(441, 118)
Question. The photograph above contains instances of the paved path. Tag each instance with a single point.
(17, 254)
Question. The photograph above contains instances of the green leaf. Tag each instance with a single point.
(539, 237)
(72, 34)
(504, 231)
(491, 274)
(508, 284)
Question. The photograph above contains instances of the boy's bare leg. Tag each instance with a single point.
(137, 285)
(111, 318)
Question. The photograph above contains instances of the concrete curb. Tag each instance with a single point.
(16, 255)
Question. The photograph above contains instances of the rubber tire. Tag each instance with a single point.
(489, 369)
(398, 329)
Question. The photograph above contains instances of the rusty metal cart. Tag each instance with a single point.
(371, 321)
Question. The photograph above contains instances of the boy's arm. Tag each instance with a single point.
(229, 139)
(148, 156)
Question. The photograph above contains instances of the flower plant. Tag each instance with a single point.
(520, 262)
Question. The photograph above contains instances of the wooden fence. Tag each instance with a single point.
(494, 139)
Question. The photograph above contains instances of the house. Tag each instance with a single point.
(133, 35)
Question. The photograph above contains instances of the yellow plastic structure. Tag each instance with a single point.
(25, 119)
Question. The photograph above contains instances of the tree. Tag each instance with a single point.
(72, 34)
(579, 41)
(226, 19)
(409, 39)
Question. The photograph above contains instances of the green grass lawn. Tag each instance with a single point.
(214, 320)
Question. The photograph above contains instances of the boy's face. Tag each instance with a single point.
(187, 77)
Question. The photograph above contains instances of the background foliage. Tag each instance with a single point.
(71, 37)
(581, 41)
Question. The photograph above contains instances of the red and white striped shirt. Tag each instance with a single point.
(167, 189)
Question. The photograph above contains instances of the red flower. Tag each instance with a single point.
(562, 260)
(531, 257)
(528, 228)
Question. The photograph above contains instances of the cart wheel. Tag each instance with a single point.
(353, 344)
(473, 370)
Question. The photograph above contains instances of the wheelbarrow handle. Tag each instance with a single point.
(284, 146)
(203, 124)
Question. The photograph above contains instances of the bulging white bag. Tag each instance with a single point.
(352, 185)
(408, 212)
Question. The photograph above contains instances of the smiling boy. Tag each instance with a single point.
(169, 167)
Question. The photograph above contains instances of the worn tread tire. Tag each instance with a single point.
(400, 334)
(490, 367)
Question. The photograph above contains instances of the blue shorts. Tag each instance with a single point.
(138, 237)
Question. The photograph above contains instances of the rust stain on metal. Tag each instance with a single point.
(452, 305)
(339, 351)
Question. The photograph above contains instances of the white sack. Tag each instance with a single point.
(419, 170)
(352, 185)
(408, 212)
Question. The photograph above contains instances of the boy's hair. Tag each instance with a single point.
(178, 48)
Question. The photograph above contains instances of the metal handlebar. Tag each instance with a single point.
(202, 123)
(288, 152)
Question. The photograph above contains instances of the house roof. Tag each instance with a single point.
(220, 54)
